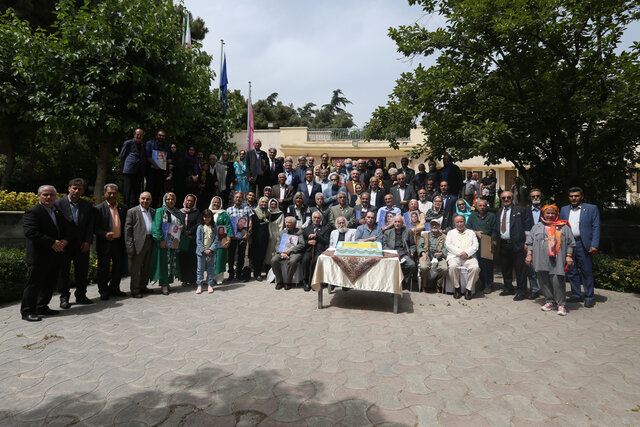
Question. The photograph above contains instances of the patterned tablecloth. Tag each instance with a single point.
(376, 274)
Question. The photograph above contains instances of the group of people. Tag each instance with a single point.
(428, 217)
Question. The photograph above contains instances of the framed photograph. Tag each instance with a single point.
(171, 233)
(412, 219)
(160, 157)
(287, 242)
(222, 235)
(385, 218)
(239, 225)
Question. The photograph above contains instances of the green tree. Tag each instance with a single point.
(543, 84)
(121, 66)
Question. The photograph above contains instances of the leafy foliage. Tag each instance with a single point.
(618, 274)
(541, 84)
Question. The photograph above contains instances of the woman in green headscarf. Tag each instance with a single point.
(221, 219)
(164, 257)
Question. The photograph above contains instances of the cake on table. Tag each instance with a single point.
(372, 249)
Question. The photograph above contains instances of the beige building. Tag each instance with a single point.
(343, 143)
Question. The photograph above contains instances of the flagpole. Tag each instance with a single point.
(249, 143)
(220, 75)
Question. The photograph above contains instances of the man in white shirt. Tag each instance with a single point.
(462, 245)
(423, 204)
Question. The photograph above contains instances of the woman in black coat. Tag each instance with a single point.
(188, 259)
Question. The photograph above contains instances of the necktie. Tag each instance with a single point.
(259, 161)
(503, 226)
(273, 166)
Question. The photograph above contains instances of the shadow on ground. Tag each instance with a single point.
(211, 396)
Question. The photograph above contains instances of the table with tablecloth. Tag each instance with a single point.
(385, 275)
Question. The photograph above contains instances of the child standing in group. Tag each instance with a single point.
(206, 245)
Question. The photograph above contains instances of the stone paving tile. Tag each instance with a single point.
(243, 357)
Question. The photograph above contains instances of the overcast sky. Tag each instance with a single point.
(304, 50)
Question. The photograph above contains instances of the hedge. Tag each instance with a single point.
(13, 270)
(12, 201)
(617, 274)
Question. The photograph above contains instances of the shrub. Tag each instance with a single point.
(13, 270)
(12, 201)
(617, 274)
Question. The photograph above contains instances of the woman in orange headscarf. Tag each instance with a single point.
(550, 246)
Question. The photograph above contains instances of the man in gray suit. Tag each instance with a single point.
(138, 241)
(400, 239)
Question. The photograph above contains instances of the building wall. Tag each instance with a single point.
(292, 141)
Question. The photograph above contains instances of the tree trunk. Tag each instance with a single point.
(11, 161)
(104, 163)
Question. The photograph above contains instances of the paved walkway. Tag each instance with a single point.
(249, 355)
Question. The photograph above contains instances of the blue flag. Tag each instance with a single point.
(223, 83)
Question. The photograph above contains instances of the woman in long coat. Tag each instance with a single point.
(550, 246)
(276, 224)
(260, 236)
(221, 219)
(164, 258)
(188, 258)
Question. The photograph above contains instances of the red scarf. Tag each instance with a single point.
(554, 230)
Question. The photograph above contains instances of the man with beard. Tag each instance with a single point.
(423, 203)
(400, 239)
(536, 203)
(432, 246)
(293, 254)
(341, 233)
(316, 236)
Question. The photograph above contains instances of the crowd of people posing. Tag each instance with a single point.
(437, 222)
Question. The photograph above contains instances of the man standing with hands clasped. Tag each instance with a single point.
(584, 220)
(79, 216)
(44, 228)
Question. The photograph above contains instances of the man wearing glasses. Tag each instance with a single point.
(512, 226)
(536, 203)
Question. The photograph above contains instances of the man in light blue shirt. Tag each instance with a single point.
(369, 231)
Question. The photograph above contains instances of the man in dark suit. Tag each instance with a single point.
(406, 170)
(133, 159)
(316, 237)
(256, 159)
(376, 193)
(139, 242)
(211, 183)
(226, 177)
(45, 230)
(350, 185)
(283, 192)
(360, 210)
(301, 168)
(309, 187)
(110, 218)
(402, 193)
(448, 200)
(291, 177)
(78, 214)
(584, 220)
(512, 222)
(400, 239)
(274, 168)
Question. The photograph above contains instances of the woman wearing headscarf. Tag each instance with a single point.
(550, 246)
(260, 236)
(438, 213)
(463, 208)
(276, 224)
(223, 228)
(164, 257)
(188, 258)
(240, 168)
(192, 170)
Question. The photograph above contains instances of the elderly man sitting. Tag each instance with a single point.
(462, 245)
(400, 239)
(292, 251)
(341, 233)
(433, 255)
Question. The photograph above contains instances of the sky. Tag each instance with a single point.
(305, 50)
